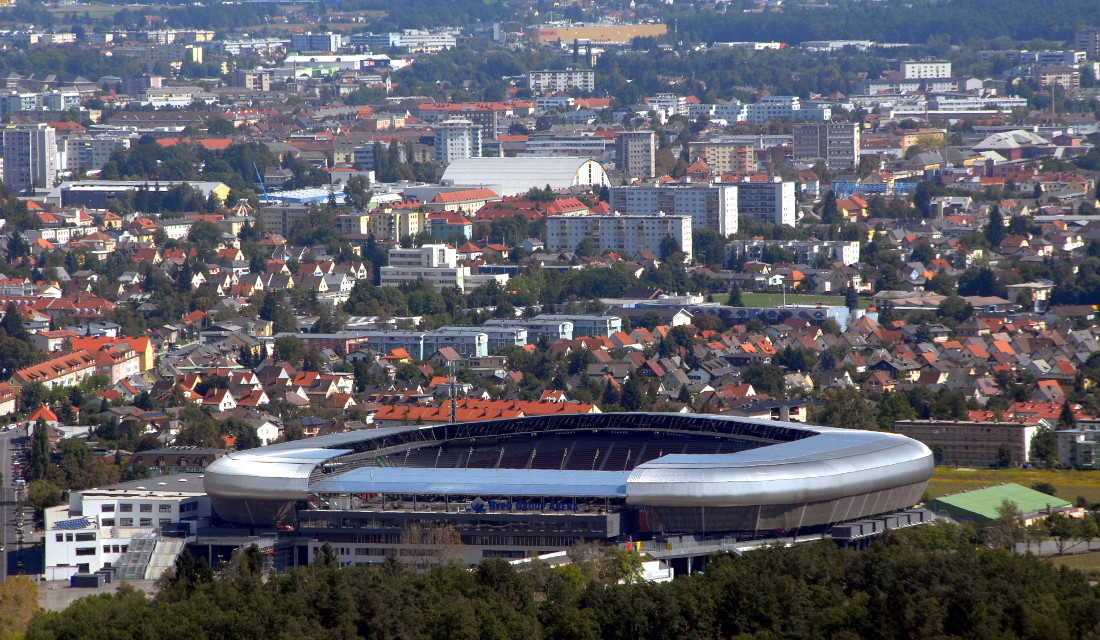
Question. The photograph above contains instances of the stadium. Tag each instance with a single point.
(520, 487)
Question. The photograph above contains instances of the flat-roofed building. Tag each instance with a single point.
(708, 205)
(626, 235)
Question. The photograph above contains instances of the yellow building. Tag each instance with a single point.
(604, 33)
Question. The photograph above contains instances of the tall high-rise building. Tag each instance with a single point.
(30, 156)
(835, 143)
(635, 151)
(769, 201)
(1088, 40)
(315, 42)
(457, 139)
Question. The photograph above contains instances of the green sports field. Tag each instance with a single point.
(772, 299)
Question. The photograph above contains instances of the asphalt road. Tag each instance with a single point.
(9, 497)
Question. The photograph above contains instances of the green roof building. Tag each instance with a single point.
(981, 505)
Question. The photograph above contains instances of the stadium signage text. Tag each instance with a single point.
(496, 505)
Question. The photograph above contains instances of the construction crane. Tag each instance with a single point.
(260, 178)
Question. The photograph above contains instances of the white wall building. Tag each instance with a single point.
(562, 80)
(913, 69)
(668, 104)
(435, 263)
(30, 156)
(457, 139)
(771, 201)
(624, 234)
(95, 529)
(708, 205)
(315, 42)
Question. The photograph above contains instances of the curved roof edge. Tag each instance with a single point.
(813, 463)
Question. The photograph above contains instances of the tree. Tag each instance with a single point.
(830, 214)
(846, 408)
(1006, 530)
(18, 605)
(12, 324)
(357, 192)
(668, 246)
(851, 298)
(632, 395)
(588, 248)
(290, 348)
(42, 494)
(1067, 419)
(995, 229)
(954, 310)
(893, 406)
(1045, 487)
(1062, 528)
(1044, 447)
(220, 127)
(427, 545)
(765, 378)
(38, 458)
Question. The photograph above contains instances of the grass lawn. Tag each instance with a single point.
(1087, 562)
(1069, 482)
(773, 299)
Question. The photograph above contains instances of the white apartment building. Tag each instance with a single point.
(623, 234)
(915, 69)
(562, 80)
(782, 108)
(30, 156)
(771, 201)
(427, 41)
(668, 104)
(580, 146)
(731, 111)
(315, 42)
(586, 325)
(94, 531)
(497, 336)
(835, 143)
(92, 152)
(708, 205)
(435, 263)
(552, 330)
(805, 251)
(457, 139)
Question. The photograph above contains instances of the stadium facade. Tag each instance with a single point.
(520, 487)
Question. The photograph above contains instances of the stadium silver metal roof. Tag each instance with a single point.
(474, 482)
(794, 463)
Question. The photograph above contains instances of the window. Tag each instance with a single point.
(61, 537)
(68, 537)
(164, 521)
(85, 537)
(166, 508)
(146, 522)
(146, 508)
(126, 522)
(106, 548)
(125, 507)
(108, 522)
(85, 551)
(107, 508)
